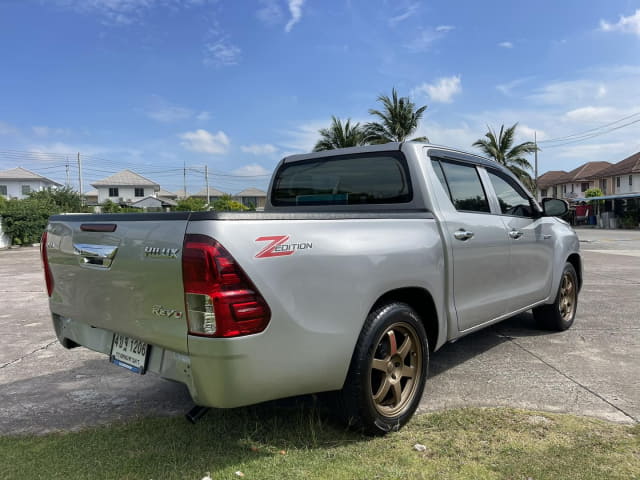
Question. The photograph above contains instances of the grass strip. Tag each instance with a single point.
(268, 441)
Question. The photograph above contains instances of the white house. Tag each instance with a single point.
(125, 187)
(20, 182)
(252, 197)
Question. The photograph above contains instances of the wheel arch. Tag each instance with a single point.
(575, 260)
(422, 302)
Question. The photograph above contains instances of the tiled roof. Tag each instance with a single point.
(550, 178)
(20, 173)
(92, 193)
(628, 165)
(584, 172)
(166, 194)
(212, 193)
(125, 178)
(251, 192)
(162, 201)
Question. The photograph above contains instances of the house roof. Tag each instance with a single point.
(213, 192)
(92, 193)
(20, 173)
(125, 178)
(585, 171)
(251, 192)
(550, 178)
(628, 165)
(162, 201)
(166, 194)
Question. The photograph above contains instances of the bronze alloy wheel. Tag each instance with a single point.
(396, 369)
(567, 296)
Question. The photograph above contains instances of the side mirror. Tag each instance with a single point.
(553, 207)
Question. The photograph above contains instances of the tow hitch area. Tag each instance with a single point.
(196, 413)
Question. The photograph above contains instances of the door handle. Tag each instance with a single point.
(515, 234)
(98, 255)
(463, 234)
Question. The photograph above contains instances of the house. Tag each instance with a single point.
(548, 184)
(214, 194)
(252, 197)
(125, 187)
(573, 184)
(20, 182)
(91, 197)
(166, 194)
(154, 204)
(622, 177)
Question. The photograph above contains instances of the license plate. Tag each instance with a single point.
(129, 353)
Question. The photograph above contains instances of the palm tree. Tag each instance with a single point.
(500, 148)
(339, 135)
(398, 120)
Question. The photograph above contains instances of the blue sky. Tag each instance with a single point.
(152, 85)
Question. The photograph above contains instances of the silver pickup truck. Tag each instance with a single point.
(364, 262)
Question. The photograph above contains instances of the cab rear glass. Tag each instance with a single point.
(361, 179)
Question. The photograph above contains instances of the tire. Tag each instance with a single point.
(561, 313)
(388, 371)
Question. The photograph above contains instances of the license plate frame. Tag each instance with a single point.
(129, 353)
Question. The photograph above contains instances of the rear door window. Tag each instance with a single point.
(465, 187)
(372, 178)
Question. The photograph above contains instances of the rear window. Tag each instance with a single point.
(363, 179)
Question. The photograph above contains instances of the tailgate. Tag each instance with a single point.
(122, 273)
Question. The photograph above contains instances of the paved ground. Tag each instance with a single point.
(592, 369)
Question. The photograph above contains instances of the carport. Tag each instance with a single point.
(618, 210)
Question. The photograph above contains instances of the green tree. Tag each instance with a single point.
(61, 200)
(191, 204)
(501, 149)
(398, 120)
(227, 204)
(340, 135)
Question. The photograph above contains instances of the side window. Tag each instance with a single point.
(512, 200)
(440, 174)
(466, 188)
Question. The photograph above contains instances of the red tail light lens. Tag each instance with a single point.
(48, 277)
(221, 299)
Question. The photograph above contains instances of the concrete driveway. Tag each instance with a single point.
(592, 369)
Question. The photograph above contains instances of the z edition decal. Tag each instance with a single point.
(279, 246)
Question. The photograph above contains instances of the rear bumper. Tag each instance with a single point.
(220, 373)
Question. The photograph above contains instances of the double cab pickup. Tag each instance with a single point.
(364, 262)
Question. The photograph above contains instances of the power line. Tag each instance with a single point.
(593, 132)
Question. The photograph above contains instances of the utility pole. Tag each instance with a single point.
(184, 178)
(206, 179)
(67, 173)
(80, 179)
(535, 141)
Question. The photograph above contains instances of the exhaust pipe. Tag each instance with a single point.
(196, 413)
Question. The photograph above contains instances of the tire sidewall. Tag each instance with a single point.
(378, 322)
(560, 322)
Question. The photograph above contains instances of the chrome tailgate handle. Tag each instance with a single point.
(98, 255)
(463, 234)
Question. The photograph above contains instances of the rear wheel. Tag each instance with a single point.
(561, 314)
(388, 370)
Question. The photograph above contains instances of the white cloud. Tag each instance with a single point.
(630, 24)
(205, 142)
(304, 137)
(44, 131)
(7, 129)
(426, 37)
(442, 91)
(505, 44)
(221, 53)
(264, 149)
(270, 13)
(161, 110)
(411, 10)
(252, 170)
(295, 7)
(593, 114)
(565, 92)
(203, 116)
(507, 88)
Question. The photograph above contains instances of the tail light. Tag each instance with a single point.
(48, 277)
(221, 299)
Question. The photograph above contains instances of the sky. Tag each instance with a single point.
(158, 86)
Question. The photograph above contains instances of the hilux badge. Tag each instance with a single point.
(161, 252)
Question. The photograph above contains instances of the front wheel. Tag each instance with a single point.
(561, 313)
(388, 370)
